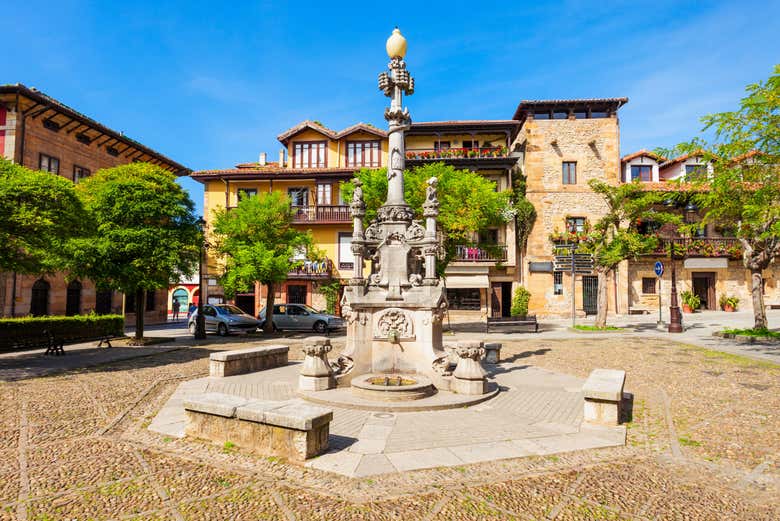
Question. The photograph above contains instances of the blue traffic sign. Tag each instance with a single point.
(659, 268)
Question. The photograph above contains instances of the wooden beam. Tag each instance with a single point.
(108, 138)
(76, 127)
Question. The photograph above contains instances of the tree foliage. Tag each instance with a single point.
(469, 203)
(615, 237)
(743, 191)
(39, 213)
(142, 235)
(258, 243)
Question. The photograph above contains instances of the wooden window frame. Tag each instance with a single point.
(295, 144)
(363, 146)
(250, 192)
(647, 283)
(306, 203)
(566, 172)
(573, 221)
(321, 189)
(49, 158)
(81, 172)
(641, 168)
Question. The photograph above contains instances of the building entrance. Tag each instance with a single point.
(296, 294)
(704, 287)
(590, 292)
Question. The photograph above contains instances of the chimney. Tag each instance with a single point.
(281, 158)
(263, 159)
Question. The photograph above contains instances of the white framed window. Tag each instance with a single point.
(363, 153)
(557, 283)
(346, 259)
(324, 194)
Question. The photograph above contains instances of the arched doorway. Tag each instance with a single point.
(181, 296)
(73, 300)
(103, 300)
(196, 296)
(39, 301)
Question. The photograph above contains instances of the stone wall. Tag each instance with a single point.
(594, 145)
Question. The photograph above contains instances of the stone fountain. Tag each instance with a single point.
(394, 316)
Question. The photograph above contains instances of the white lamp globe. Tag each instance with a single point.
(396, 45)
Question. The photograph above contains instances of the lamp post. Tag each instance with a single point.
(675, 317)
(200, 320)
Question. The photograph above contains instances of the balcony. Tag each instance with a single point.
(701, 247)
(322, 214)
(488, 253)
(486, 157)
(312, 270)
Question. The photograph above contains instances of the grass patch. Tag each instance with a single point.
(761, 332)
(688, 442)
(228, 447)
(581, 327)
(739, 360)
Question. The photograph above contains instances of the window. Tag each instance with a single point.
(561, 114)
(103, 300)
(488, 236)
(298, 196)
(642, 172)
(346, 259)
(79, 173)
(246, 192)
(470, 143)
(83, 138)
(570, 172)
(280, 309)
(441, 145)
(363, 153)
(309, 154)
(130, 303)
(542, 115)
(557, 283)
(648, 227)
(694, 172)
(464, 298)
(73, 299)
(50, 124)
(150, 299)
(39, 301)
(648, 285)
(575, 224)
(49, 164)
(324, 194)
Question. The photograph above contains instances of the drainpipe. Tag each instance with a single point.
(13, 296)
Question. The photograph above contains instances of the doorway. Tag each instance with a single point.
(296, 294)
(704, 287)
(590, 293)
(246, 302)
(501, 299)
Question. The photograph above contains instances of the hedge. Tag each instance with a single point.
(16, 332)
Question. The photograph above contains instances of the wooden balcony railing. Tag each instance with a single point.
(312, 270)
(701, 247)
(492, 253)
(322, 214)
(456, 153)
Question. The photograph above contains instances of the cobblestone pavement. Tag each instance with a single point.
(703, 444)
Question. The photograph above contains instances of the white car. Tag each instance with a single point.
(224, 319)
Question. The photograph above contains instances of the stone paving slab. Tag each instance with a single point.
(537, 412)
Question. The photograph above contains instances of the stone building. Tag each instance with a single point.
(564, 144)
(41, 133)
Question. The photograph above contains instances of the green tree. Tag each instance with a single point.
(258, 243)
(615, 237)
(744, 189)
(144, 233)
(39, 213)
(469, 203)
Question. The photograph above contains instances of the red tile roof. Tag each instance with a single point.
(641, 153)
(273, 172)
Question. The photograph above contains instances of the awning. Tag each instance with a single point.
(466, 281)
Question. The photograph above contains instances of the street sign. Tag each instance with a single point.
(659, 268)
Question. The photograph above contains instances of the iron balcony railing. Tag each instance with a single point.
(312, 270)
(488, 253)
(322, 214)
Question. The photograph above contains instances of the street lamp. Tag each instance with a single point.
(675, 317)
(200, 320)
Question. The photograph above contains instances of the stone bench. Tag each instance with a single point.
(603, 396)
(290, 429)
(249, 360)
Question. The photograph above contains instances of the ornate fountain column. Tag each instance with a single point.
(394, 316)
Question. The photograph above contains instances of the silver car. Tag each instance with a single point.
(303, 318)
(224, 319)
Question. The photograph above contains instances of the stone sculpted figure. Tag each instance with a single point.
(431, 204)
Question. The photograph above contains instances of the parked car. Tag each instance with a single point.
(224, 319)
(303, 318)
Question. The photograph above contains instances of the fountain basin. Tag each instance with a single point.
(392, 387)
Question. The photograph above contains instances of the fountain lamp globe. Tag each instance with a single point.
(396, 45)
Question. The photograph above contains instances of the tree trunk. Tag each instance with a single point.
(268, 327)
(140, 307)
(602, 303)
(757, 292)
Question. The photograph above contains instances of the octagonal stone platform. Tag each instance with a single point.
(532, 412)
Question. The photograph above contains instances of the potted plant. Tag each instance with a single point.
(520, 302)
(690, 301)
(728, 304)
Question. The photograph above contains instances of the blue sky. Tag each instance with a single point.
(212, 84)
